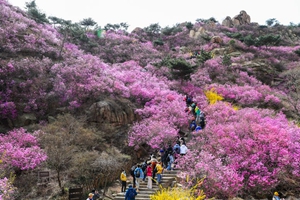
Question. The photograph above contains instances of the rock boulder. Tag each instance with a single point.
(227, 22)
(117, 112)
(241, 19)
(216, 39)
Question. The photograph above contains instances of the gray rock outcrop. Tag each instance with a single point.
(118, 112)
(227, 22)
(240, 19)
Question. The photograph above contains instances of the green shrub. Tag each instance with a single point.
(297, 52)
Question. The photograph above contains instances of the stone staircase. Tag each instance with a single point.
(168, 177)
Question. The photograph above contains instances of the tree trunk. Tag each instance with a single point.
(62, 45)
(58, 178)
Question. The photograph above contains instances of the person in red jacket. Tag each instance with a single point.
(149, 176)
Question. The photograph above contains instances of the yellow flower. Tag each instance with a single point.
(177, 193)
(213, 96)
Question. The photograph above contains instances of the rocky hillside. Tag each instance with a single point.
(83, 105)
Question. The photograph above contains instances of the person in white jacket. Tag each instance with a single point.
(183, 149)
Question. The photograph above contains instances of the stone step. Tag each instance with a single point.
(136, 198)
(154, 186)
(142, 189)
(144, 193)
(171, 171)
(140, 195)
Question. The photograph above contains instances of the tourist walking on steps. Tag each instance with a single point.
(90, 197)
(149, 176)
(176, 147)
(202, 120)
(96, 194)
(165, 160)
(139, 174)
(159, 170)
(132, 174)
(170, 163)
(153, 165)
(183, 149)
(181, 140)
(143, 167)
(130, 193)
(162, 153)
(276, 196)
(123, 178)
(197, 113)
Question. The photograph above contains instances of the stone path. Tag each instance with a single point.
(168, 177)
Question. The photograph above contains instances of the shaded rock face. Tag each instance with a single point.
(23, 120)
(118, 112)
(227, 22)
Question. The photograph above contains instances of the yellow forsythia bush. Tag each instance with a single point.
(177, 194)
(212, 96)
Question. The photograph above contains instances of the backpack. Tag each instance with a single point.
(177, 148)
(168, 158)
(192, 126)
(133, 168)
(131, 194)
(155, 170)
(138, 173)
(144, 166)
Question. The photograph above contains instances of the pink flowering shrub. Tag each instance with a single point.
(25, 83)
(201, 77)
(243, 58)
(284, 53)
(240, 152)
(8, 110)
(21, 150)
(163, 116)
(221, 180)
(22, 34)
(248, 95)
(243, 78)
(116, 48)
(258, 145)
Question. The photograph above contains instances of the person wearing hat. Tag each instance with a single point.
(96, 194)
(276, 196)
(130, 193)
(90, 196)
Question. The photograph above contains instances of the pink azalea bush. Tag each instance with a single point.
(248, 95)
(220, 180)
(240, 152)
(257, 145)
(21, 150)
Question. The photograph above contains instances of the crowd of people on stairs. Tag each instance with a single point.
(152, 169)
(196, 116)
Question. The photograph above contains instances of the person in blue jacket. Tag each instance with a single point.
(130, 193)
(139, 175)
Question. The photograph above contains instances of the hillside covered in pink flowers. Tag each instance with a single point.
(244, 78)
